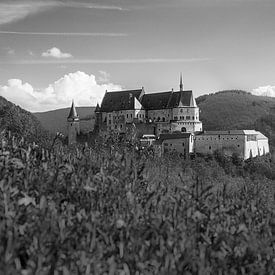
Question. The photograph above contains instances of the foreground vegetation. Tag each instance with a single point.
(113, 210)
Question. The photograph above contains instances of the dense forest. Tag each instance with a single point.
(21, 123)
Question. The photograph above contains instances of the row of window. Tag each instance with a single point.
(202, 138)
(210, 147)
(184, 118)
(166, 144)
(122, 117)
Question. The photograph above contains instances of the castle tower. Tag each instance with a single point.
(73, 125)
(98, 118)
(181, 83)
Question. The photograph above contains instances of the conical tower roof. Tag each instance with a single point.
(97, 109)
(73, 114)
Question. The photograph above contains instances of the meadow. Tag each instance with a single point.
(116, 210)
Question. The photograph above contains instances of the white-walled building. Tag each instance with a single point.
(244, 143)
(182, 143)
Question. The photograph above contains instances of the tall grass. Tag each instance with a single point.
(113, 210)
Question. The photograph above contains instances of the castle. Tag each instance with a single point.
(173, 117)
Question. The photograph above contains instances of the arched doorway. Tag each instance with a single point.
(183, 129)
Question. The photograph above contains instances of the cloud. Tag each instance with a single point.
(108, 61)
(56, 53)
(12, 11)
(107, 34)
(9, 50)
(81, 87)
(264, 91)
(103, 76)
(17, 10)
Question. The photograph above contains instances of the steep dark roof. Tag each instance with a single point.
(125, 100)
(156, 101)
(183, 97)
(165, 100)
(174, 136)
(73, 114)
(122, 100)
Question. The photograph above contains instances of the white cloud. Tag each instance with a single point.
(81, 87)
(56, 53)
(17, 10)
(264, 91)
(12, 11)
(103, 77)
(106, 34)
(107, 61)
(11, 51)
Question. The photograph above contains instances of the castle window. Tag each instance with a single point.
(193, 117)
(131, 115)
(163, 119)
(165, 144)
(127, 115)
(183, 144)
(187, 117)
(158, 118)
(110, 122)
(210, 147)
(175, 118)
(238, 145)
(181, 110)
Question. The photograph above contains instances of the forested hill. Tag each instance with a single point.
(56, 120)
(21, 123)
(238, 110)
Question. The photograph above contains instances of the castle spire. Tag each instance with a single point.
(97, 109)
(73, 114)
(181, 84)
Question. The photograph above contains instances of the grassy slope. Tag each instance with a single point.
(56, 120)
(21, 122)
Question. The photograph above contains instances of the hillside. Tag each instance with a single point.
(56, 120)
(21, 123)
(238, 110)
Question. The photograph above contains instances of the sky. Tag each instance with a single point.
(53, 51)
